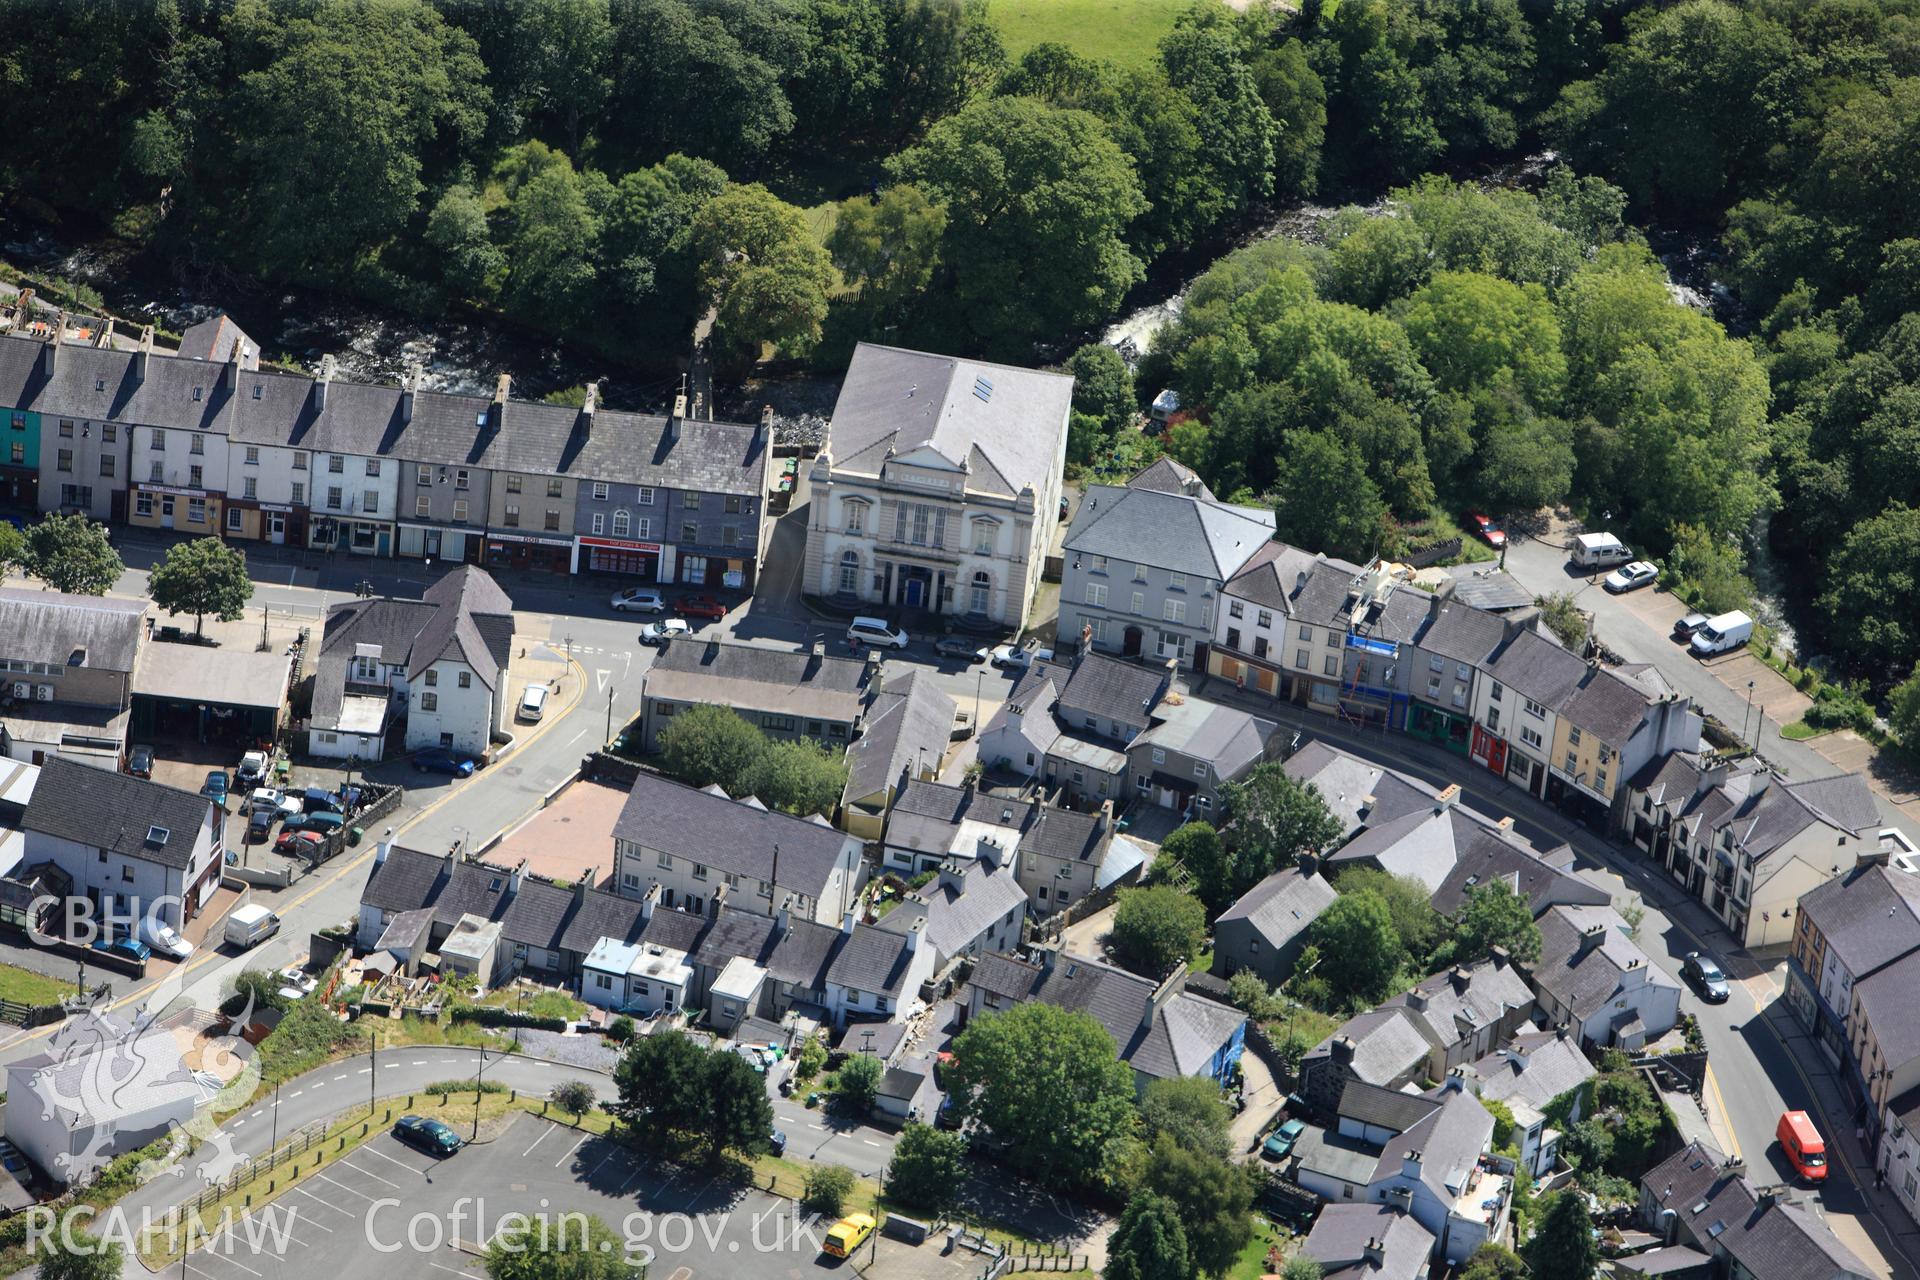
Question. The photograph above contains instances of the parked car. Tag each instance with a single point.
(1012, 657)
(304, 843)
(1705, 976)
(323, 822)
(296, 983)
(962, 647)
(777, 1142)
(1488, 528)
(430, 1136)
(848, 1234)
(320, 800)
(1280, 1143)
(1684, 629)
(639, 600)
(164, 938)
(1631, 577)
(658, 633)
(260, 824)
(276, 801)
(215, 788)
(444, 760)
(125, 948)
(877, 632)
(252, 771)
(140, 762)
(701, 607)
(1599, 551)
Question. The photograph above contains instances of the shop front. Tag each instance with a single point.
(701, 570)
(1245, 676)
(618, 557)
(157, 506)
(1441, 727)
(350, 534)
(433, 542)
(266, 522)
(529, 551)
(1489, 751)
(1527, 773)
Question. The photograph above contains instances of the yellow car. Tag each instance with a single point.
(848, 1234)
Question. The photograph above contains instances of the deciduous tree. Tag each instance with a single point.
(1564, 1244)
(1189, 1110)
(1156, 928)
(927, 1167)
(570, 1245)
(1495, 916)
(205, 576)
(71, 553)
(1360, 954)
(763, 272)
(1149, 1243)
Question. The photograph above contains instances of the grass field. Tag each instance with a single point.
(23, 986)
(1125, 32)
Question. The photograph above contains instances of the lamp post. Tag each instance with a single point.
(609, 737)
(479, 1079)
(1748, 716)
(373, 1068)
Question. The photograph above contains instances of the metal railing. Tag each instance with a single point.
(252, 1168)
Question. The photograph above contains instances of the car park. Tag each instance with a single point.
(275, 801)
(444, 760)
(430, 1136)
(962, 647)
(1488, 528)
(125, 949)
(701, 607)
(252, 770)
(658, 633)
(1280, 1143)
(164, 938)
(1010, 657)
(320, 800)
(324, 822)
(876, 632)
(215, 788)
(639, 600)
(140, 762)
(1631, 577)
(1705, 976)
(306, 843)
(1683, 630)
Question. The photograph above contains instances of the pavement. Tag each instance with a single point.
(1762, 1060)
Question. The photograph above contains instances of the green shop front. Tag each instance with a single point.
(1450, 729)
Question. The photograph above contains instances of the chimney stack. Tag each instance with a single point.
(1342, 1050)
(1175, 983)
(409, 388)
(649, 902)
(321, 382)
(591, 404)
(382, 849)
(1417, 1000)
(952, 876)
(913, 935)
(673, 419)
(783, 918)
(52, 350)
(846, 924)
(763, 434)
(1590, 937)
(497, 411)
(1374, 1252)
(517, 877)
(143, 355)
(1448, 795)
(230, 373)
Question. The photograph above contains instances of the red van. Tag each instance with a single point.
(1801, 1141)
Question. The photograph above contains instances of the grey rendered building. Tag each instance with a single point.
(1145, 565)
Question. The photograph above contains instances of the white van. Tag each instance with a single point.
(251, 925)
(1722, 634)
(533, 703)
(1600, 551)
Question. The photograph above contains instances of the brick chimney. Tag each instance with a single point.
(143, 355)
(1173, 985)
(590, 406)
(50, 354)
(1590, 937)
(1374, 1252)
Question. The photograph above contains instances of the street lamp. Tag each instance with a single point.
(1748, 716)
(479, 1080)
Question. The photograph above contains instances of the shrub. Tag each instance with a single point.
(860, 1080)
(812, 1057)
(826, 1190)
(620, 1030)
(490, 1017)
(443, 1089)
(575, 1097)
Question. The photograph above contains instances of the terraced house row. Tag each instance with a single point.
(205, 441)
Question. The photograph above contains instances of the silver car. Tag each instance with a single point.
(639, 600)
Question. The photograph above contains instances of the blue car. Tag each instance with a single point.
(215, 788)
(441, 760)
(125, 948)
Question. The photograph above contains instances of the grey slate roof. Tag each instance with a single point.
(730, 835)
(1869, 917)
(1660, 1262)
(1282, 905)
(1536, 1068)
(1888, 998)
(1494, 590)
(1461, 1001)
(1271, 574)
(911, 721)
(1588, 983)
(1448, 1142)
(215, 338)
(1357, 791)
(1343, 1231)
(1113, 689)
(1386, 1045)
(790, 682)
(48, 626)
(1456, 631)
(1722, 1212)
(1168, 476)
(1538, 668)
(957, 916)
(1606, 706)
(1208, 541)
(464, 615)
(1179, 1042)
(1393, 1109)
(266, 407)
(895, 401)
(875, 960)
(1229, 739)
(104, 809)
